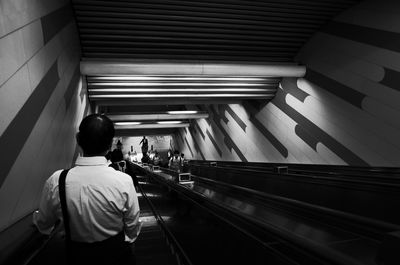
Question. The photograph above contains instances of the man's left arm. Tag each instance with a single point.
(46, 217)
(132, 224)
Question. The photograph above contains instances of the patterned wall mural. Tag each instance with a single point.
(42, 100)
(346, 110)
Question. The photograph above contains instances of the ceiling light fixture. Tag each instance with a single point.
(153, 96)
(126, 123)
(182, 112)
(165, 78)
(152, 84)
(169, 122)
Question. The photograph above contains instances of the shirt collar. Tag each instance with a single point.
(91, 161)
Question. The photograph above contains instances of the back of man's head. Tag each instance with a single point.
(95, 134)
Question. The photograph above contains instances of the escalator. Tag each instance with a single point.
(298, 232)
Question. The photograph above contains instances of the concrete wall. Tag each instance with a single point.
(345, 111)
(42, 99)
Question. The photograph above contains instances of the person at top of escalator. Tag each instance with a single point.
(156, 159)
(175, 163)
(145, 145)
(97, 205)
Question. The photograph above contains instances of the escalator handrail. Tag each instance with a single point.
(302, 243)
(346, 170)
(336, 178)
(166, 230)
(340, 214)
(318, 250)
(30, 247)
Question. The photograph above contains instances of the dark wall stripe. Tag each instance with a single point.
(253, 110)
(178, 145)
(221, 110)
(192, 129)
(391, 79)
(188, 145)
(265, 132)
(376, 37)
(72, 86)
(236, 118)
(56, 21)
(344, 92)
(197, 147)
(180, 135)
(344, 153)
(290, 85)
(214, 143)
(306, 137)
(199, 129)
(227, 139)
(14, 137)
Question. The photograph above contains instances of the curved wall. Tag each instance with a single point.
(345, 111)
(41, 99)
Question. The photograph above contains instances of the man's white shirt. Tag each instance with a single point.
(101, 202)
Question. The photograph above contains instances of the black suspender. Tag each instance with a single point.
(63, 200)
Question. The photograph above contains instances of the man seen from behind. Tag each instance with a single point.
(101, 210)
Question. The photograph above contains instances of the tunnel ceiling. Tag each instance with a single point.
(267, 31)
(264, 32)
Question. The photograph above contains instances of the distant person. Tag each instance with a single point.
(175, 162)
(121, 164)
(157, 159)
(119, 145)
(134, 157)
(169, 154)
(117, 160)
(145, 145)
(98, 205)
(145, 158)
(182, 159)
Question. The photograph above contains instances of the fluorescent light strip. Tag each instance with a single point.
(130, 78)
(169, 122)
(152, 96)
(174, 84)
(126, 123)
(152, 126)
(124, 90)
(182, 112)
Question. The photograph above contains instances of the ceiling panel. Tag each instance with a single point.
(268, 31)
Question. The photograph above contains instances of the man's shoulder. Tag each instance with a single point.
(120, 176)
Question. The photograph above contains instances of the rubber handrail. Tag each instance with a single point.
(165, 228)
(368, 221)
(302, 243)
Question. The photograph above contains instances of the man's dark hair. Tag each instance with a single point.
(95, 134)
(176, 152)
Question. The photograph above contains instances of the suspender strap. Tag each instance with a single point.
(63, 200)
